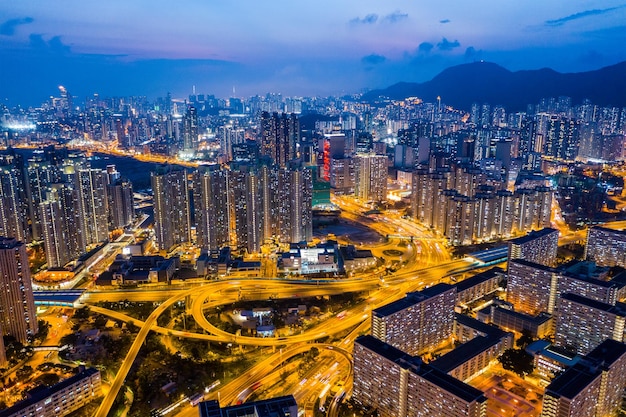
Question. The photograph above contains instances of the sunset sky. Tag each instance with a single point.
(150, 47)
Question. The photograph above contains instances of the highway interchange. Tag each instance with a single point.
(424, 261)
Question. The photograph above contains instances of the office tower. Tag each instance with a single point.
(210, 192)
(419, 322)
(91, 185)
(245, 191)
(285, 406)
(582, 323)
(190, 130)
(537, 246)
(17, 307)
(370, 177)
(172, 221)
(397, 384)
(280, 137)
(593, 387)
(61, 225)
(121, 206)
(606, 246)
(13, 199)
(531, 288)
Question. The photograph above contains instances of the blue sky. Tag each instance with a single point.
(149, 47)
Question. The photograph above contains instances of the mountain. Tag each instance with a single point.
(485, 82)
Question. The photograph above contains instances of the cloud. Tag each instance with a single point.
(395, 17)
(425, 47)
(369, 19)
(446, 45)
(54, 45)
(444, 21)
(8, 28)
(471, 54)
(373, 59)
(592, 12)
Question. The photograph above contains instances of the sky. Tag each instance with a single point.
(297, 48)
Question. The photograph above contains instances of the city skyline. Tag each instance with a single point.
(240, 50)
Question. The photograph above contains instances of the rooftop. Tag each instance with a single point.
(535, 234)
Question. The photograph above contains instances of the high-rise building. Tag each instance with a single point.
(91, 187)
(17, 307)
(120, 203)
(62, 229)
(211, 207)
(531, 288)
(280, 137)
(13, 199)
(190, 130)
(295, 193)
(419, 322)
(606, 246)
(41, 175)
(537, 246)
(397, 384)
(245, 191)
(342, 175)
(172, 217)
(593, 387)
(370, 177)
(582, 323)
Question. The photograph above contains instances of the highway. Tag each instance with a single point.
(423, 262)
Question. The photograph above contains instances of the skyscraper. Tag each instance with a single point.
(172, 217)
(13, 200)
(371, 177)
(190, 130)
(17, 307)
(210, 186)
(280, 137)
(91, 187)
(62, 230)
(245, 190)
(120, 203)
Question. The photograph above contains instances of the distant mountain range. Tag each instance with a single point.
(485, 82)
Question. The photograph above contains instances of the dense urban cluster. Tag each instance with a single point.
(236, 189)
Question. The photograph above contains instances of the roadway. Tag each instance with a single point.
(416, 273)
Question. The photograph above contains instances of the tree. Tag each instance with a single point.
(518, 361)
(524, 340)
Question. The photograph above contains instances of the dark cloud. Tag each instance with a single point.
(444, 21)
(373, 59)
(471, 54)
(369, 19)
(54, 45)
(580, 15)
(8, 28)
(425, 47)
(395, 17)
(446, 45)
